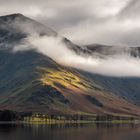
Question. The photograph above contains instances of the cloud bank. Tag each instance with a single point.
(118, 64)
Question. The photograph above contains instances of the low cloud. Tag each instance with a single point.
(120, 65)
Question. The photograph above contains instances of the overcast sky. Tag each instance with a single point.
(113, 22)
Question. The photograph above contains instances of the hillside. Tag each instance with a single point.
(125, 87)
(31, 81)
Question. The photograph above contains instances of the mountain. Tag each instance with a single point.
(31, 81)
(113, 50)
(124, 87)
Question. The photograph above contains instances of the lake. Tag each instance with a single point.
(70, 132)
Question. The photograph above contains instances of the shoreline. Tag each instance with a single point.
(72, 122)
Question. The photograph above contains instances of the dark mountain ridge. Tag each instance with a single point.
(113, 50)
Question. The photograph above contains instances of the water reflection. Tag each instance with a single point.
(70, 132)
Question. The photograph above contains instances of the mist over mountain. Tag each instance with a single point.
(98, 59)
(45, 72)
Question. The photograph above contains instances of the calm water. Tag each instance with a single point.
(69, 132)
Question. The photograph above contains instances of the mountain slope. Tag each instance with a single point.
(125, 87)
(30, 81)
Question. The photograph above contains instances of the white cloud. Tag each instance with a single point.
(119, 64)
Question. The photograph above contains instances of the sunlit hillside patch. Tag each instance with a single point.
(63, 79)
